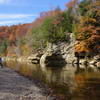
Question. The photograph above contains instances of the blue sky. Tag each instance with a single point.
(25, 11)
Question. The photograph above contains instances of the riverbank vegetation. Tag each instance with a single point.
(80, 18)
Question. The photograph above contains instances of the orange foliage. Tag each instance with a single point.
(26, 49)
(82, 47)
(13, 32)
(45, 15)
(12, 38)
(89, 30)
(72, 3)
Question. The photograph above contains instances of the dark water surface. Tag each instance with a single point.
(76, 83)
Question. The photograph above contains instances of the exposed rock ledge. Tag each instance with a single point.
(59, 53)
(63, 52)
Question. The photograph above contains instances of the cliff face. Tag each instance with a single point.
(58, 54)
(63, 53)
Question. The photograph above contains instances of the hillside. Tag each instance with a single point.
(80, 18)
(10, 36)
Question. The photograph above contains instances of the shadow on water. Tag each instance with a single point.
(75, 82)
(55, 60)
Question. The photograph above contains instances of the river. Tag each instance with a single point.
(71, 81)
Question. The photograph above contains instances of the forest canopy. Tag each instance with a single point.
(80, 18)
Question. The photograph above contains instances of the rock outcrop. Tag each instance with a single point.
(58, 54)
(35, 58)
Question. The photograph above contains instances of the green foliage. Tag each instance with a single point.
(35, 39)
(54, 28)
(83, 7)
(3, 46)
(68, 20)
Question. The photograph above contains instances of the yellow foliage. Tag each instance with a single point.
(82, 47)
(26, 50)
(86, 20)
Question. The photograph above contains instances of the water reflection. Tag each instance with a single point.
(77, 81)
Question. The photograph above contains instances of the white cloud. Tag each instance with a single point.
(10, 19)
(16, 16)
(5, 1)
(10, 22)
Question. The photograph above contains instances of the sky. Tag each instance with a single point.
(25, 11)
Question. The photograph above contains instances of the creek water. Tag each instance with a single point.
(76, 83)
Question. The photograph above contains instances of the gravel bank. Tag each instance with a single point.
(16, 87)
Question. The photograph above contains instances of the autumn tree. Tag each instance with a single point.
(88, 31)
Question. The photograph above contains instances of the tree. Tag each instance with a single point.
(3, 46)
(88, 32)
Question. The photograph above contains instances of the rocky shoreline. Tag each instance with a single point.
(16, 87)
(58, 54)
(63, 53)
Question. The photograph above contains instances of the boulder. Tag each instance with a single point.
(83, 61)
(97, 57)
(93, 62)
(98, 64)
(34, 58)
